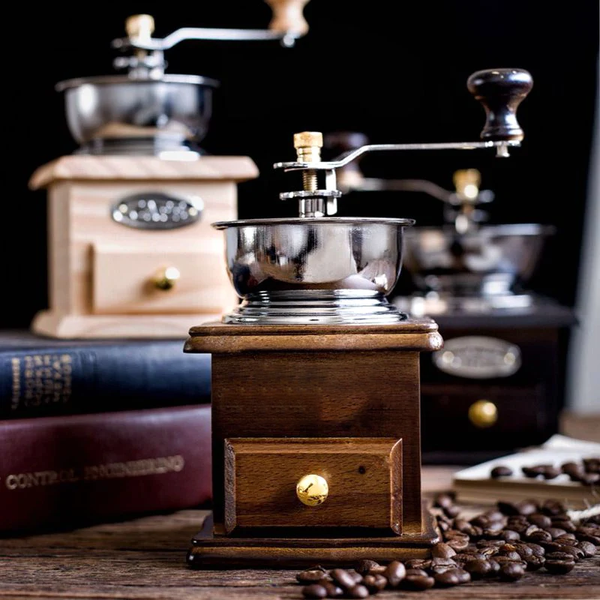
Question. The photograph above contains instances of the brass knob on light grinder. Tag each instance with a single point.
(165, 279)
(308, 146)
(467, 182)
(312, 490)
(483, 414)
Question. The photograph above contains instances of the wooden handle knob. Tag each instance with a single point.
(288, 16)
(140, 27)
(483, 413)
(501, 91)
(312, 490)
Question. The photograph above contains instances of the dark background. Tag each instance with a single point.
(394, 70)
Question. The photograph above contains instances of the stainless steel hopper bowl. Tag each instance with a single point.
(329, 253)
(490, 260)
(170, 111)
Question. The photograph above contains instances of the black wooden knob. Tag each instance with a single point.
(501, 91)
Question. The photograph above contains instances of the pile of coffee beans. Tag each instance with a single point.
(587, 472)
(500, 544)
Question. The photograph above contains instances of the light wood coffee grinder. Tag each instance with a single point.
(315, 376)
(131, 250)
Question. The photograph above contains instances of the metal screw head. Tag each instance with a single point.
(308, 139)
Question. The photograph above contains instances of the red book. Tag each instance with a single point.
(61, 471)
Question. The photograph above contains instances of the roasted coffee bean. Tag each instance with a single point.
(365, 566)
(478, 568)
(439, 565)
(527, 507)
(555, 532)
(551, 473)
(443, 500)
(566, 541)
(586, 537)
(489, 551)
(447, 578)
(532, 529)
(457, 540)
(512, 556)
(355, 575)
(511, 571)
(418, 563)
(314, 591)
(416, 573)
(464, 526)
(524, 550)
(534, 562)
(536, 549)
(574, 551)
(501, 471)
(418, 582)
(442, 550)
(495, 516)
(508, 508)
(311, 576)
(591, 465)
(559, 556)
(553, 508)
(567, 525)
(358, 591)
(539, 537)
(495, 567)
(343, 578)
(375, 583)
(504, 560)
(451, 511)
(463, 576)
(510, 536)
(587, 548)
(395, 573)
(542, 521)
(333, 590)
(480, 521)
(533, 472)
(566, 536)
(570, 467)
(444, 525)
(559, 567)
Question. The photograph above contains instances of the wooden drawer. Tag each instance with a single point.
(123, 279)
(364, 476)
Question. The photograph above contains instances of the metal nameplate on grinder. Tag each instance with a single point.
(478, 357)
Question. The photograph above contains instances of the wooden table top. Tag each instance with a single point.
(145, 558)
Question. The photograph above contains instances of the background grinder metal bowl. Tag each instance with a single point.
(146, 111)
(317, 268)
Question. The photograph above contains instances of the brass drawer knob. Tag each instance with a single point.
(483, 413)
(312, 490)
(165, 279)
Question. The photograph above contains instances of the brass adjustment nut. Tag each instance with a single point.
(166, 278)
(483, 414)
(312, 490)
(467, 182)
(140, 27)
(308, 146)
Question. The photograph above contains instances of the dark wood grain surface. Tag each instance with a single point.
(145, 559)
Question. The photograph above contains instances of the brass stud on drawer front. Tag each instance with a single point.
(312, 490)
(483, 413)
(166, 278)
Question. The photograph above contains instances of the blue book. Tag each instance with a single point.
(46, 377)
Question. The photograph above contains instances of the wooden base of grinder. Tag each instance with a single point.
(225, 552)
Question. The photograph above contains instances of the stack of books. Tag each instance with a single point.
(99, 430)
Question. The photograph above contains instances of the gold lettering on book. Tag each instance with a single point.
(132, 468)
(41, 379)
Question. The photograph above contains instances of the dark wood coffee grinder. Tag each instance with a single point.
(315, 383)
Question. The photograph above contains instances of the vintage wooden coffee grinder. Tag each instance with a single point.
(315, 384)
(131, 250)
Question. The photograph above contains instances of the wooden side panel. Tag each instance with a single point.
(59, 258)
(357, 394)
(364, 476)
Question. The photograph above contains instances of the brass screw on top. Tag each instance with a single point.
(467, 182)
(308, 146)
